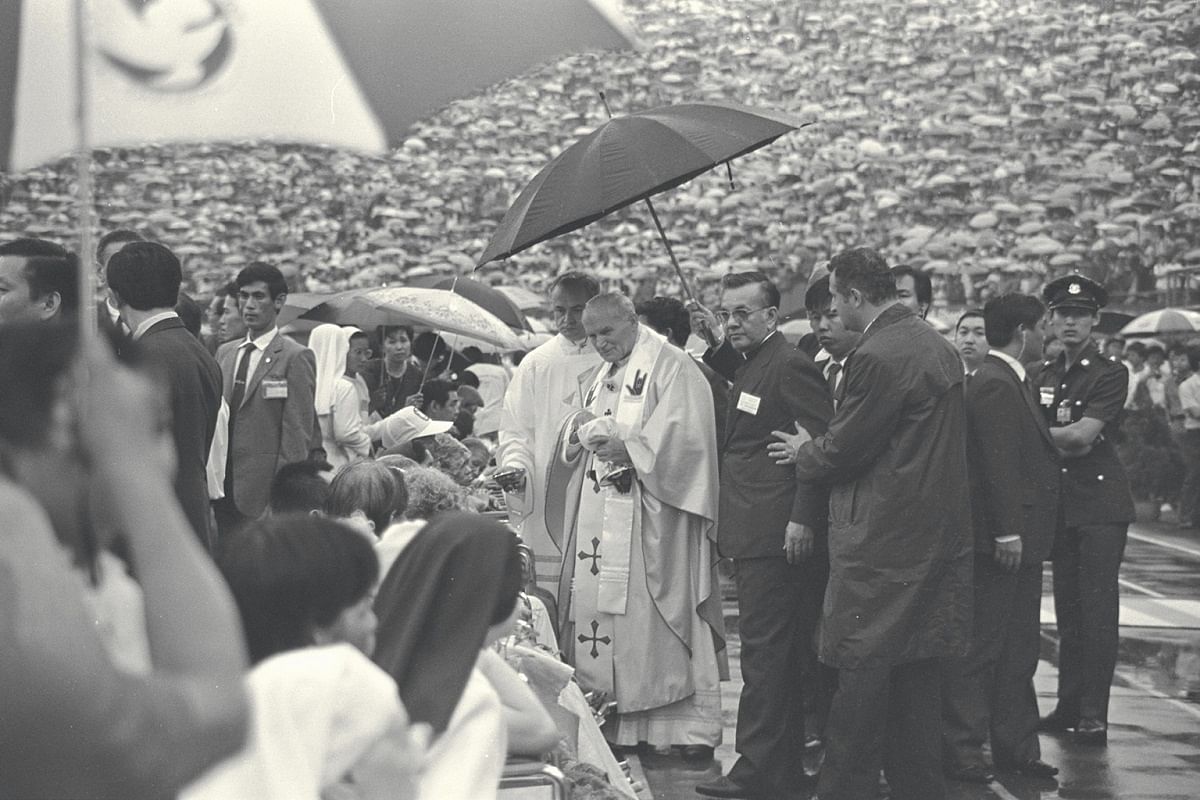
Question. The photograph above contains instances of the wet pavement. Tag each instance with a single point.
(1153, 750)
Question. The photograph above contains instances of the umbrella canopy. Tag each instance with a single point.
(195, 71)
(1166, 320)
(481, 295)
(522, 298)
(436, 309)
(629, 159)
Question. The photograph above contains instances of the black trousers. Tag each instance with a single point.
(989, 694)
(1087, 561)
(776, 622)
(887, 717)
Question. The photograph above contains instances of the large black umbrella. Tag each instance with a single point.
(629, 159)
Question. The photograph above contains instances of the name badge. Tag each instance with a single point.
(1064, 413)
(274, 389)
(748, 403)
(1047, 395)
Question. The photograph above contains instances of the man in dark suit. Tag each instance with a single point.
(1014, 473)
(108, 316)
(899, 596)
(773, 528)
(143, 280)
(270, 382)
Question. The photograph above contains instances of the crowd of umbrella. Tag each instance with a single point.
(991, 143)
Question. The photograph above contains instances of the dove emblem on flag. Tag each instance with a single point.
(167, 45)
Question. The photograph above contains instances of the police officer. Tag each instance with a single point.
(1082, 394)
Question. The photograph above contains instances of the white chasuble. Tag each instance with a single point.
(638, 593)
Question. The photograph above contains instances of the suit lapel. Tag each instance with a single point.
(1026, 392)
(752, 374)
(269, 356)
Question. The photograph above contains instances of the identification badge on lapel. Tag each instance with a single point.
(1047, 395)
(748, 403)
(274, 389)
(1064, 413)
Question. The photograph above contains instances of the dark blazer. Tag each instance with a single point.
(193, 381)
(268, 433)
(900, 545)
(1014, 466)
(759, 497)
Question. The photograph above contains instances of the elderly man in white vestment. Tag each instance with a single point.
(639, 603)
(545, 389)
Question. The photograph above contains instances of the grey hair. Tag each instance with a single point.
(614, 303)
(430, 492)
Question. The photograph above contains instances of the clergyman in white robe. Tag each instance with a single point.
(545, 389)
(639, 602)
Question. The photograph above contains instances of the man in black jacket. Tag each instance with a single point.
(773, 527)
(1014, 477)
(144, 279)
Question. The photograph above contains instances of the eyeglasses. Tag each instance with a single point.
(740, 314)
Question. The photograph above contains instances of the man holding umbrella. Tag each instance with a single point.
(1082, 394)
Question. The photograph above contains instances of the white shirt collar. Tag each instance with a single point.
(151, 321)
(1017, 366)
(825, 355)
(262, 341)
(572, 348)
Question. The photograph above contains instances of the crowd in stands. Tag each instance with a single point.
(992, 144)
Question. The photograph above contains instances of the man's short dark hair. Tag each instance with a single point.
(817, 297)
(668, 316)
(576, 280)
(766, 286)
(290, 574)
(970, 312)
(922, 283)
(1192, 352)
(1003, 315)
(1136, 347)
(864, 269)
(190, 313)
(229, 290)
(49, 267)
(435, 391)
(299, 488)
(266, 273)
(146, 275)
(119, 235)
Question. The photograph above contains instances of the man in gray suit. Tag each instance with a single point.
(143, 281)
(270, 381)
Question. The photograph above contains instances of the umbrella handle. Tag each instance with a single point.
(708, 335)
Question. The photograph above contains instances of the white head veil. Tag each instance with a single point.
(330, 344)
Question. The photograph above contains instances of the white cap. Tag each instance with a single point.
(409, 423)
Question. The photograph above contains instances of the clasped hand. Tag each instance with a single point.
(614, 452)
(786, 449)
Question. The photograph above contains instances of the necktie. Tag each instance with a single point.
(239, 380)
(831, 376)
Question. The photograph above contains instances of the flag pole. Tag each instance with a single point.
(83, 164)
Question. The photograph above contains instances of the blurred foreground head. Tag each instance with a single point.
(39, 281)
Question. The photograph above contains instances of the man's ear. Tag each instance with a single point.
(49, 305)
(279, 301)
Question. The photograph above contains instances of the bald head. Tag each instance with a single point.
(610, 320)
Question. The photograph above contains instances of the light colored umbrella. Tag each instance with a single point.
(253, 70)
(1165, 320)
(437, 309)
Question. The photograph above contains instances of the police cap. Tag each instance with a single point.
(1075, 291)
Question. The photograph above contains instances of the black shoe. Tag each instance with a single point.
(1056, 722)
(724, 786)
(972, 773)
(1091, 731)
(695, 753)
(1033, 768)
